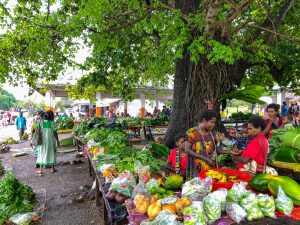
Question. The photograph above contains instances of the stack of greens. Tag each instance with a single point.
(14, 197)
(280, 150)
(66, 123)
(82, 128)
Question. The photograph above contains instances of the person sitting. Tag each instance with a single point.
(177, 158)
(287, 120)
(243, 141)
(257, 149)
(273, 122)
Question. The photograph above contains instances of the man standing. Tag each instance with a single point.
(284, 109)
(21, 124)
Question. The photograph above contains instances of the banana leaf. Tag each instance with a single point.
(292, 139)
(249, 94)
(287, 154)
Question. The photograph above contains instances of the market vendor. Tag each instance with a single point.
(253, 158)
(243, 141)
(203, 145)
(178, 157)
(273, 122)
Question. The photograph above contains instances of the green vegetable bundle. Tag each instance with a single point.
(66, 123)
(82, 128)
(292, 139)
(286, 154)
(14, 197)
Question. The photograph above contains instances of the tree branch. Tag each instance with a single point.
(211, 15)
(282, 13)
(274, 33)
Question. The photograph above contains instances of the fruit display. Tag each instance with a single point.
(220, 176)
(283, 203)
(174, 181)
(260, 182)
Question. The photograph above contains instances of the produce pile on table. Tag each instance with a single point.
(285, 145)
(65, 123)
(240, 116)
(14, 197)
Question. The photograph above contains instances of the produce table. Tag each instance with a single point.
(113, 213)
(288, 169)
(147, 129)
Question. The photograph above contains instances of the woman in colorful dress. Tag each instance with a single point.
(178, 157)
(203, 145)
(47, 151)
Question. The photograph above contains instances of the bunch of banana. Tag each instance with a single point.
(221, 176)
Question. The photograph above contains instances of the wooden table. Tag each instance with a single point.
(113, 213)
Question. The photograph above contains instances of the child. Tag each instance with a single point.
(242, 141)
(287, 120)
(178, 158)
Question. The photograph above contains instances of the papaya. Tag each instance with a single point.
(290, 187)
(260, 182)
(173, 182)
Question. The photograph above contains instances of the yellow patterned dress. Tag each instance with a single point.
(205, 145)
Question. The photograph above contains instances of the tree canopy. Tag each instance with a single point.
(7, 100)
(137, 42)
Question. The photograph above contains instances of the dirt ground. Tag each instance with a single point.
(64, 197)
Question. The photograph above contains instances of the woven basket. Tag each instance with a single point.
(242, 176)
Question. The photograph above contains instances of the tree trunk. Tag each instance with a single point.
(194, 85)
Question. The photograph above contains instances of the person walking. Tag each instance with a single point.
(48, 149)
(21, 124)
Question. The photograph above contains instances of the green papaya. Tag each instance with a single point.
(260, 182)
(287, 154)
(174, 181)
(290, 187)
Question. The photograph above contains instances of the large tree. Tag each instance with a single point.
(205, 47)
(7, 100)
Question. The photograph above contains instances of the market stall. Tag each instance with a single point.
(132, 189)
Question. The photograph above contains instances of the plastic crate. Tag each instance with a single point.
(241, 175)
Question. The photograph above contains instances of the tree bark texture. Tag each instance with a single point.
(194, 85)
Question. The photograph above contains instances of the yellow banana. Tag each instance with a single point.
(223, 179)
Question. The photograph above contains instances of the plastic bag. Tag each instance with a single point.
(24, 219)
(237, 192)
(163, 218)
(123, 184)
(194, 214)
(143, 172)
(196, 189)
(105, 167)
(266, 205)
(221, 194)
(283, 203)
(139, 189)
(152, 186)
(212, 207)
(250, 204)
(235, 212)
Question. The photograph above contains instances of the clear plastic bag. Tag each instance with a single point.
(123, 184)
(283, 203)
(221, 194)
(105, 167)
(143, 172)
(152, 186)
(196, 189)
(163, 218)
(212, 207)
(139, 189)
(266, 205)
(235, 212)
(194, 214)
(24, 219)
(237, 192)
(250, 204)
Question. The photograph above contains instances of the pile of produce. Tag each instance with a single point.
(220, 176)
(285, 145)
(14, 197)
(82, 128)
(9, 141)
(156, 121)
(65, 123)
(240, 116)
